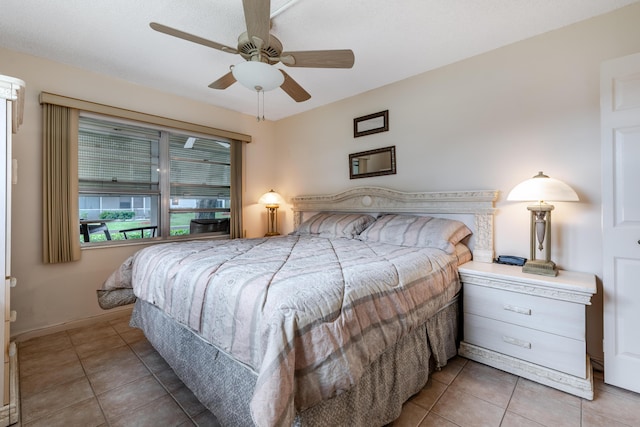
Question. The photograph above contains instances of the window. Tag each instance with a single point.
(138, 182)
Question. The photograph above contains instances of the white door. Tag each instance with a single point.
(620, 122)
(5, 236)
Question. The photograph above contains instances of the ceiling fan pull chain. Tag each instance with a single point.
(258, 92)
(258, 99)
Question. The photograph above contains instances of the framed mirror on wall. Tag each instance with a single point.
(381, 161)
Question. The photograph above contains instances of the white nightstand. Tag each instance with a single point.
(530, 325)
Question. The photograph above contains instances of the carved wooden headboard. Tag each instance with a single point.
(474, 208)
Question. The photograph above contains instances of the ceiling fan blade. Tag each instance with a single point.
(341, 58)
(256, 16)
(223, 82)
(293, 89)
(190, 37)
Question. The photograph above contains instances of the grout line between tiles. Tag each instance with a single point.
(442, 394)
(55, 410)
(95, 395)
(160, 382)
(581, 412)
(513, 391)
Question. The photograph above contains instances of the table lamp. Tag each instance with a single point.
(541, 189)
(272, 201)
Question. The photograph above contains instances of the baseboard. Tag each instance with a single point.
(598, 364)
(112, 314)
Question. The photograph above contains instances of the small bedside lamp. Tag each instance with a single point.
(272, 201)
(541, 189)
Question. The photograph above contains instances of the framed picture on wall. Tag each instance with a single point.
(372, 123)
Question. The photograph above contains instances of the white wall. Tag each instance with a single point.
(49, 295)
(488, 122)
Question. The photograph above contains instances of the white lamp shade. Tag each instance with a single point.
(257, 76)
(542, 188)
(270, 198)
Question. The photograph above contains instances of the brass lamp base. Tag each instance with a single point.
(270, 234)
(545, 268)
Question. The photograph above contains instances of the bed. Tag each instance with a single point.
(338, 323)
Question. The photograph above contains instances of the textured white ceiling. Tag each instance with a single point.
(392, 40)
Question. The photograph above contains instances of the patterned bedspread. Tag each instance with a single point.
(306, 314)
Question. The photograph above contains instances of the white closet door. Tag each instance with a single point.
(5, 241)
(620, 121)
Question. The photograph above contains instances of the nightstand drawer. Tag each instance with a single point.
(549, 350)
(544, 314)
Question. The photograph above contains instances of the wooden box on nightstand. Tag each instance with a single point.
(530, 325)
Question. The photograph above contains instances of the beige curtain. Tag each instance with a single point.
(236, 189)
(60, 219)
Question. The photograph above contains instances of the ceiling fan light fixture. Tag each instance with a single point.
(258, 76)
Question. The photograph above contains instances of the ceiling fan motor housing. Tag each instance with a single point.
(270, 52)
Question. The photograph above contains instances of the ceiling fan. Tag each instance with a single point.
(261, 50)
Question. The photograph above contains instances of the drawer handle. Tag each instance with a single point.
(526, 311)
(515, 341)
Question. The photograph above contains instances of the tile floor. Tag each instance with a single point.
(109, 375)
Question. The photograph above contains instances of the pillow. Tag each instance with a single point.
(419, 231)
(333, 225)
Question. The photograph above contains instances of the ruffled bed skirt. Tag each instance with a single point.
(225, 387)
